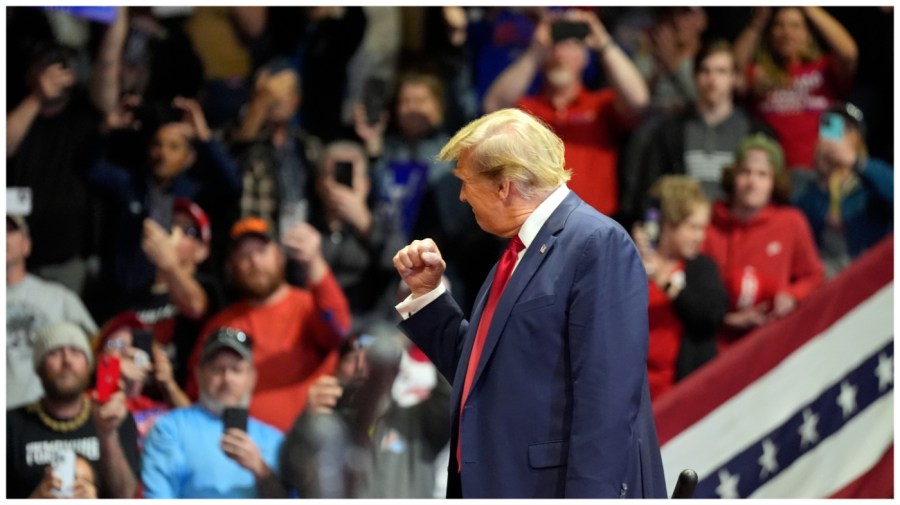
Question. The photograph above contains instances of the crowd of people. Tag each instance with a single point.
(223, 189)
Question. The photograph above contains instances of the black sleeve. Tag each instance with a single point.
(639, 167)
(701, 307)
(703, 302)
(16, 484)
(128, 438)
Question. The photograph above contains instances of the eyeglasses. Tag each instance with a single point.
(115, 344)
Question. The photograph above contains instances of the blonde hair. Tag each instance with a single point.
(679, 196)
(514, 144)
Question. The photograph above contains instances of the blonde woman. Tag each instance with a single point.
(687, 298)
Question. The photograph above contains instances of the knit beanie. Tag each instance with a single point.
(764, 143)
(61, 334)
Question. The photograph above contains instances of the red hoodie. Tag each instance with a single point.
(772, 252)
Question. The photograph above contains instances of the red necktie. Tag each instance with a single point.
(501, 277)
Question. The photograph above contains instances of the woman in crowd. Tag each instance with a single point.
(790, 80)
(764, 248)
(687, 298)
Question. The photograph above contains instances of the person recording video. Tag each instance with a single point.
(191, 452)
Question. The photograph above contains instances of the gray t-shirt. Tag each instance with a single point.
(30, 305)
(709, 149)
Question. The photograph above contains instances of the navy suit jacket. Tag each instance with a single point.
(559, 406)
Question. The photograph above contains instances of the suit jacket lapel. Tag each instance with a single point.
(535, 255)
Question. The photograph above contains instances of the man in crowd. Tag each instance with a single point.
(192, 453)
(66, 418)
(182, 298)
(699, 142)
(31, 304)
(295, 329)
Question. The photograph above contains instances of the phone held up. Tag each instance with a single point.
(343, 173)
(63, 468)
(143, 340)
(831, 126)
(108, 374)
(235, 417)
(374, 98)
(562, 30)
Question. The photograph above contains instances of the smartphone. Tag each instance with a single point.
(143, 340)
(374, 98)
(63, 465)
(18, 201)
(562, 30)
(831, 126)
(343, 173)
(652, 226)
(235, 417)
(108, 374)
(162, 212)
(291, 214)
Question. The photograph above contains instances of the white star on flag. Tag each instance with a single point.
(728, 484)
(884, 371)
(847, 398)
(768, 460)
(807, 431)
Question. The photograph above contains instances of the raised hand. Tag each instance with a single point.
(193, 117)
(237, 445)
(108, 416)
(53, 81)
(160, 247)
(324, 395)
(420, 265)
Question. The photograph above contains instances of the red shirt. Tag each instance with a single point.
(772, 252)
(793, 111)
(591, 128)
(664, 341)
(293, 340)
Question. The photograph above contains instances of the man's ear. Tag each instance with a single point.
(26, 245)
(504, 187)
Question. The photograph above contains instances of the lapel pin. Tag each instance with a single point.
(543, 248)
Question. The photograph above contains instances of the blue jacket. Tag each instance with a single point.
(559, 405)
(867, 212)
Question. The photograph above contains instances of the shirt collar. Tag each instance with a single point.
(541, 214)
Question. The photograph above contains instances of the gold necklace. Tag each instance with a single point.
(63, 426)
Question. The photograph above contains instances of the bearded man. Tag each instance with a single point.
(294, 329)
(68, 419)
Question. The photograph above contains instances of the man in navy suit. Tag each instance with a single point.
(550, 396)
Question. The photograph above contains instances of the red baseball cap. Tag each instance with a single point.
(127, 319)
(197, 214)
